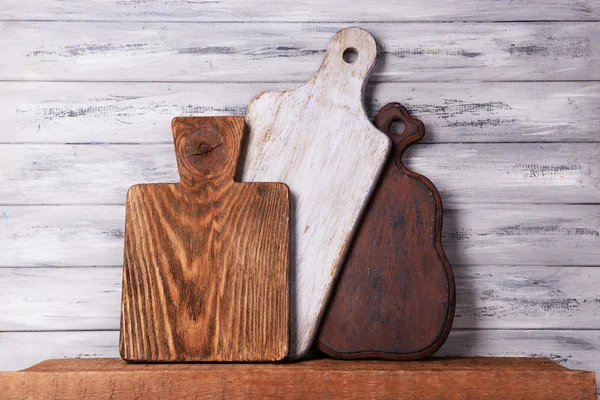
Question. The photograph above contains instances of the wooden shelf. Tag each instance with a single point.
(456, 378)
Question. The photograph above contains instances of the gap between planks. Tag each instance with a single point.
(294, 81)
(352, 22)
(453, 266)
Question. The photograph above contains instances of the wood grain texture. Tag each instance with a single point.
(304, 11)
(482, 378)
(463, 173)
(488, 296)
(395, 296)
(473, 234)
(318, 140)
(120, 112)
(206, 265)
(317, 363)
(479, 229)
(23, 349)
(571, 348)
(34, 299)
(264, 52)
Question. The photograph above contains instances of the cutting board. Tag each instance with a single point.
(206, 267)
(395, 297)
(318, 139)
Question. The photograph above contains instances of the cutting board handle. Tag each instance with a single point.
(207, 149)
(414, 130)
(352, 55)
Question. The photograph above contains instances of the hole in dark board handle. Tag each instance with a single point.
(397, 127)
(350, 55)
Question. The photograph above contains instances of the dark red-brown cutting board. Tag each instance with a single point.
(395, 295)
(206, 268)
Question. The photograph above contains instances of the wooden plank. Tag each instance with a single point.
(463, 173)
(34, 299)
(522, 234)
(527, 297)
(263, 52)
(119, 112)
(490, 297)
(473, 234)
(454, 378)
(305, 10)
(23, 349)
(509, 172)
(62, 236)
(571, 348)
(207, 260)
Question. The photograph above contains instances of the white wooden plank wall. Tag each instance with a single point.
(509, 92)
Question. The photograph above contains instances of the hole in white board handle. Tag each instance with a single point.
(350, 55)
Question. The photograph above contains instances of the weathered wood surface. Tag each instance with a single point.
(491, 296)
(264, 52)
(37, 299)
(62, 236)
(459, 378)
(303, 11)
(494, 297)
(206, 265)
(533, 296)
(120, 112)
(394, 298)
(463, 173)
(473, 234)
(318, 140)
(572, 348)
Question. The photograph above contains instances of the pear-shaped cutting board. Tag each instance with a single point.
(206, 267)
(318, 139)
(395, 298)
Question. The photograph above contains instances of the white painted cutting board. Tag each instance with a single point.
(318, 140)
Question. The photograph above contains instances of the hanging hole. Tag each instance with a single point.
(350, 55)
(397, 127)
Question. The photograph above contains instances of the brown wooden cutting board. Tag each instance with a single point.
(206, 268)
(395, 296)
